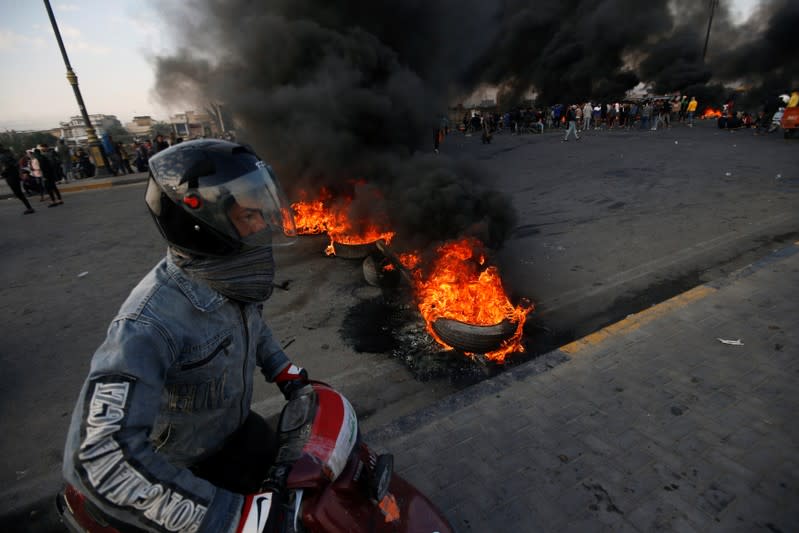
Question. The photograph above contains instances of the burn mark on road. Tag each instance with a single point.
(390, 324)
(369, 326)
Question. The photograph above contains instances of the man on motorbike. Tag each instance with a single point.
(162, 437)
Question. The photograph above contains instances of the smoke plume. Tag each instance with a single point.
(333, 93)
(337, 93)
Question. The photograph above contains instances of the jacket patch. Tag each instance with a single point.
(188, 397)
(109, 473)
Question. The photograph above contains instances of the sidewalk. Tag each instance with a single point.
(84, 184)
(651, 424)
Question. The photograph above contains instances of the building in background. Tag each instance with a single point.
(141, 127)
(74, 131)
(194, 124)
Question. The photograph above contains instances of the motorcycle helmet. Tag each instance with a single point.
(217, 198)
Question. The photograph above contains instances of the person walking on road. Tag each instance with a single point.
(30, 184)
(9, 169)
(657, 115)
(162, 432)
(48, 172)
(36, 174)
(571, 119)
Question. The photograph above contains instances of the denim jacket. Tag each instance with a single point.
(172, 380)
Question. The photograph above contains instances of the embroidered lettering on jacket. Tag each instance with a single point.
(115, 479)
(188, 397)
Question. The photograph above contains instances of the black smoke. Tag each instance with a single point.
(572, 50)
(765, 58)
(334, 93)
(344, 92)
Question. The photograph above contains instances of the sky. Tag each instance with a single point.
(110, 46)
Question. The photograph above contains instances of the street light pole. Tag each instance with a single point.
(95, 148)
(713, 5)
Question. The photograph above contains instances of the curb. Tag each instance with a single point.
(77, 187)
(492, 386)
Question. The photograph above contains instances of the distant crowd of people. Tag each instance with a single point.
(39, 170)
(120, 157)
(36, 172)
(649, 114)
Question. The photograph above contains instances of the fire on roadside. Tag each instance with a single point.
(326, 214)
(456, 284)
(711, 113)
(460, 286)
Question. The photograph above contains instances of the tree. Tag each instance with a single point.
(21, 141)
(119, 133)
(161, 128)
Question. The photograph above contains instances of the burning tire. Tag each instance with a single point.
(472, 338)
(380, 273)
(352, 251)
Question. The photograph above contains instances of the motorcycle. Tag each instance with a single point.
(327, 478)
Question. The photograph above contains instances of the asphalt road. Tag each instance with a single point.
(622, 220)
(607, 226)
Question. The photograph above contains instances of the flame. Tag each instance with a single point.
(324, 214)
(458, 286)
(410, 260)
(711, 113)
(461, 287)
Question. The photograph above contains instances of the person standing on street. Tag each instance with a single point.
(64, 159)
(691, 109)
(646, 114)
(9, 169)
(159, 145)
(587, 111)
(162, 437)
(142, 155)
(48, 171)
(124, 158)
(571, 119)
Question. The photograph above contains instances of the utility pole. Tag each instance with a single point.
(102, 168)
(713, 5)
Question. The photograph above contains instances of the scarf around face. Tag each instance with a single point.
(244, 277)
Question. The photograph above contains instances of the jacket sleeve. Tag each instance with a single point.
(109, 455)
(270, 356)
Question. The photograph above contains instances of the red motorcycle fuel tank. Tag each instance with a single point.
(319, 435)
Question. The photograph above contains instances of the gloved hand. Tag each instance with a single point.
(290, 379)
(255, 513)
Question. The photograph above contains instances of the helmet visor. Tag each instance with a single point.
(251, 209)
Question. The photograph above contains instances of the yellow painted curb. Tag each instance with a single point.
(88, 187)
(638, 320)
